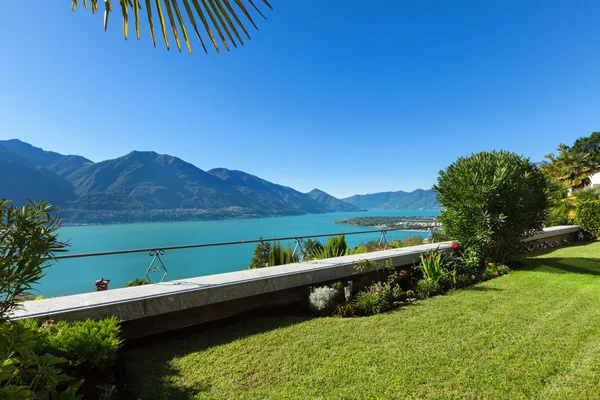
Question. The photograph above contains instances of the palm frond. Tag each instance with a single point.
(221, 16)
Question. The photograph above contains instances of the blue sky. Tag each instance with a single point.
(347, 96)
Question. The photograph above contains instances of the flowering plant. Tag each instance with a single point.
(455, 246)
(431, 265)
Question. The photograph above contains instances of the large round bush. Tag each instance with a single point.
(588, 216)
(491, 201)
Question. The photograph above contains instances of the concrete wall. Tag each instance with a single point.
(155, 308)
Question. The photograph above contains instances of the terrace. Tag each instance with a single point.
(531, 334)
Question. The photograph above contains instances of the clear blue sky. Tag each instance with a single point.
(347, 96)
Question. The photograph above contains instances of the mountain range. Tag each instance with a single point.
(147, 186)
(416, 200)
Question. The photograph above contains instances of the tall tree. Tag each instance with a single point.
(223, 15)
(575, 164)
(260, 259)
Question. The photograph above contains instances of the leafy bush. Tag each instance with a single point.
(588, 216)
(592, 193)
(336, 246)
(312, 246)
(495, 270)
(29, 237)
(323, 300)
(138, 282)
(412, 241)
(279, 255)
(426, 288)
(377, 298)
(88, 344)
(28, 373)
(367, 303)
(360, 249)
(491, 201)
(439, 236)
(271, 254)
(471, 259)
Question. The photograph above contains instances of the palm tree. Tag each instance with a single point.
(221, 13)
(572, 166)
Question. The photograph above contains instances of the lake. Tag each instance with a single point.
(73, 276)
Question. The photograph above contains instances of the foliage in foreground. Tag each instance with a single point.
(491, 201)
(88, 345)
(28, 373)
(28, 237)
(224, 21)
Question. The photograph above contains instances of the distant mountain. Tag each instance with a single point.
(279, 199)
(332, 202)
(146, 186)
(416, 200)
(60, 164)
(21, 180)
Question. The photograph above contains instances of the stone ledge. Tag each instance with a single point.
(176, 304)
(160, 298)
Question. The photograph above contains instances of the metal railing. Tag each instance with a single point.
(157, 264)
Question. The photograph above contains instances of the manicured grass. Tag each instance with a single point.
(532, 334)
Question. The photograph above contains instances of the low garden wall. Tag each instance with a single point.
(151, 309)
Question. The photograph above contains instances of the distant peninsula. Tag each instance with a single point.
(409, 223)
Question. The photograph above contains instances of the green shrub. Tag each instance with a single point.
(495, 270)
(29, 236)
(312, 246)
(471, 259)
(360, 249)
(592, 193)
(426, 288)
(377, 298)
(26, 372)
(439, 236)
(588, 216)
(138, 282)
(323, 300)
(491, 201)
(279, 255)
(412, 241)
(89, 344)
(367, 303)
(336, 246)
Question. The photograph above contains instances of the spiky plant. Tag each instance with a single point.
(222, 14)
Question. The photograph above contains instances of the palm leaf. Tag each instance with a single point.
(222, 16)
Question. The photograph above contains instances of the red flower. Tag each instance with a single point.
(429, 257)
(455, 245)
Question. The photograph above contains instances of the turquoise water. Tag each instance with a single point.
(73, 276)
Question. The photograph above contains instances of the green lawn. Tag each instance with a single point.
(532, 334)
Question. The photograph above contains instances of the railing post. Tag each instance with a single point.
(155, 254)
(301, 254)
(382, 240)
